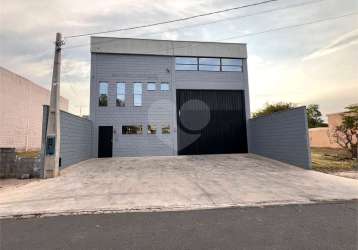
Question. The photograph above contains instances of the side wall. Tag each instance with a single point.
(282, 136)
(21, 111)
(76, 139)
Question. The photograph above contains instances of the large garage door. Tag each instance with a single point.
(211, 122)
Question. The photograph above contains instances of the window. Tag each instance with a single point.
(186, 63)
(209, 64)
(166, 130)
(137, 94)
(103, 94)
(151, 86)
(152, 129)
(231, 64)
(121, 94)
(132, 129)
(164, 86)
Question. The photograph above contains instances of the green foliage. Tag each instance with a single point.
(272, 108)
(314, 117)
(346, 134)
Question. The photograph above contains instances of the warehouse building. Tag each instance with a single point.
(157, 97)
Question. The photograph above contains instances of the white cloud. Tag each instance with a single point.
(342, 42)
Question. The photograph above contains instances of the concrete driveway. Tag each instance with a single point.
(173, 183)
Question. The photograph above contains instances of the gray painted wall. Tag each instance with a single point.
(76, 139)
(159, 108)
(282, 136)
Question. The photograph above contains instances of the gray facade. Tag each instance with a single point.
(282, 136)
(142, 61)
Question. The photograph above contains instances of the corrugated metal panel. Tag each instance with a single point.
(282, 136)
(211, 122)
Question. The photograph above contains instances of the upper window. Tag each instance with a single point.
(151, 86)
(164, 86)
(121, 94)
(231, 64)
(209, 64)
(103, 94)
(137, 94)
(186, 63)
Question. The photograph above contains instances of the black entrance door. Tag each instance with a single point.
(211, 122)
(105, 141)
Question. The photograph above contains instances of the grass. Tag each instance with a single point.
(331, 159)
(28, 154)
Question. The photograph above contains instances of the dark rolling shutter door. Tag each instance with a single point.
(211, 122)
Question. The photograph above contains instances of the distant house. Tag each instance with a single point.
(324, 137)
(21, 111)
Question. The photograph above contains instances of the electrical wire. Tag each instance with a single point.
(212, 22)
(172, 21)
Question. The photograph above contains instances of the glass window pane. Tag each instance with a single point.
(151, 86)
(209, 61)
(121, 94)
(166, 130)
(186, 60)
(231, 62)
(164, 86)
(186, 67)
(232, 68)
(137, 88)
(132, 129)
(152, 129)
(103, 94)
(103, 88)
(209, 68)
(137, 100)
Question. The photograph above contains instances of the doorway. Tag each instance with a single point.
(105, 141)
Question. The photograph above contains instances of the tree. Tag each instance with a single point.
(346, 134)
(271, 108)
(314, 117)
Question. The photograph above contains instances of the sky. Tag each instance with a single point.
(316, 62)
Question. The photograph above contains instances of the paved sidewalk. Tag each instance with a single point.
(174, 183)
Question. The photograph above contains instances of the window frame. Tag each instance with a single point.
(121, 94)
(220, 64)
(162, 84)
(153, 127)
(152, 83)
(139, 126)
(163, 127)
(137, 94)
(100, 94)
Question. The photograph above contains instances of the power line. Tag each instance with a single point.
(174, 20)
(291, 26)
(207, 23)
(264, 31)
(236, 17)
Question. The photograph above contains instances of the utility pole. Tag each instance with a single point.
(52, 146)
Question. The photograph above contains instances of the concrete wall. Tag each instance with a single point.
(21, 111)
(282, 136)
(113, 45)
(322, 138)
(76, 139)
